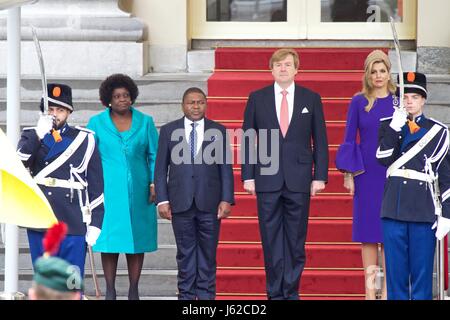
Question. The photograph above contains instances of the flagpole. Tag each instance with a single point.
(13, 133)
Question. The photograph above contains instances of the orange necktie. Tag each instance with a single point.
(284, 114)
(413, 126)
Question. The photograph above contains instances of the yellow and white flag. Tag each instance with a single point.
(22, 202)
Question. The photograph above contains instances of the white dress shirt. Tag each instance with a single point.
(200, 130)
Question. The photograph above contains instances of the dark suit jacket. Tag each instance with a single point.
(207, 182)
(295, 153)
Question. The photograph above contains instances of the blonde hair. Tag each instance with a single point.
(376, 56)
(281, 54)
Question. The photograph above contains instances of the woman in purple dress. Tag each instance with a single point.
(364, 177)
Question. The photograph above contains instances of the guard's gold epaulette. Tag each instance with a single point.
(384, 119)
(85, 129)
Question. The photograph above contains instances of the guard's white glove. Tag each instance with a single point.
(92, 235)
(44, 125)
(443, 227)
(398, 119)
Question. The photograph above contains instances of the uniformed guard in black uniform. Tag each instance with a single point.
(70, 174)
(417, 193)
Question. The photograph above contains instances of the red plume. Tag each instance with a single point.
(53, 238)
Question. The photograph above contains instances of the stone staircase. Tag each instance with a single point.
(160, 96)
(158, 279)
(438, 104)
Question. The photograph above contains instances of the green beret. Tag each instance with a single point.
(57, 274)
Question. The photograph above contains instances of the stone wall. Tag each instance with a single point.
(79, 38)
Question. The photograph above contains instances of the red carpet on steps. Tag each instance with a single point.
(318, 256)
(334, 181)
(348, 59)
(323, 206)
(335, 85)
(247, 231)
(313, 282)
(333, 267)
(335, 131)
(224, 109)
(332, 157)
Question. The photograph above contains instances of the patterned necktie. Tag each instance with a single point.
(284, 114)
(193, 141)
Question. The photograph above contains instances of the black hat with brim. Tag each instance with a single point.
(414, 82)
(59, 95)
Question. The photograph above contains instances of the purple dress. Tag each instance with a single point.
(360, 159)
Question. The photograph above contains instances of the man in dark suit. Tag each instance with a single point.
(195, 189)
(291, 116)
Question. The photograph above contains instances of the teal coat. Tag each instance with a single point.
(128, 158)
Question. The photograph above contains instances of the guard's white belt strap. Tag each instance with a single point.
(58, 162)
(59, 183)
(411, 174)
(411, 153)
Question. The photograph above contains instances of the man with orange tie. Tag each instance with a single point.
(286, 120)
(68, 169)
(416, 193)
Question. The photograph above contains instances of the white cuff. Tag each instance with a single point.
(162, 202)
(395, 128)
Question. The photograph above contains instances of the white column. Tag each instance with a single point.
(13, 132)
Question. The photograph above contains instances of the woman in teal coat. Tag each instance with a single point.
(127, 141)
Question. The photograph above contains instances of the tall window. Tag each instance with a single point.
(361, 10)
(247, 10)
